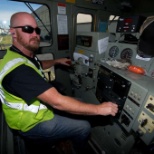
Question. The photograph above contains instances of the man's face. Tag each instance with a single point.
(28, 41)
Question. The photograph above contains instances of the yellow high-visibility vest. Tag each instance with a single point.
(18, 114)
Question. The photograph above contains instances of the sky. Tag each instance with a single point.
(7, 8)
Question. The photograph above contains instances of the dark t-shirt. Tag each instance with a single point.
(24, 82)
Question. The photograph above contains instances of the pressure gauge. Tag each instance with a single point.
(113, 51)
(127, 53)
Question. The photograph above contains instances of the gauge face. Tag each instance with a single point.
(126, 54)
(113, 52)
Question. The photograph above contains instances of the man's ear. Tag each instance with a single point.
(12, 31)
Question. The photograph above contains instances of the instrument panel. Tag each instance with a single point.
(128, 52)
(121, 51)
(134, 115)
(99, 82)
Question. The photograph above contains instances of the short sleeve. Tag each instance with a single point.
(26, 83)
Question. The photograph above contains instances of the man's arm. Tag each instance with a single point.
(69, 104)
(49, 63)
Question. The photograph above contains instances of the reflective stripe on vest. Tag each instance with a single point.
(25, 107)
(9, 65)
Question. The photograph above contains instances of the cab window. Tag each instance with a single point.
(84, 22)
(39, 11)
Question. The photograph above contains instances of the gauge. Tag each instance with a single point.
(126, 53)
(113, 52)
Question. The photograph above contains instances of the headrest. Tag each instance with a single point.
(146, 40)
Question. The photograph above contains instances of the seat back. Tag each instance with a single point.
(6, 136)
(49, 73)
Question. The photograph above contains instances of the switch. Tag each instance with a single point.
(144, 122)
(150, 107)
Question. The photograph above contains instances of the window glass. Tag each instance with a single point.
(84, 22)
(113, 17)
(7, 8)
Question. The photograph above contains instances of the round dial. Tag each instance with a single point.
(113, 51)
(126, 53)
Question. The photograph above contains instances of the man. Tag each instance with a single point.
(28, 99)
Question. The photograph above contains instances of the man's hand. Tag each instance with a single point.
(108, 108)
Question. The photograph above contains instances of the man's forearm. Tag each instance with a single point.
(48, 63)
(69, 104)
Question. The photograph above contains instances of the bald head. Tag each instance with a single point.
(25, 32)
(22, 18)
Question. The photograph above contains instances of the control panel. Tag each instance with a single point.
(128, 52)
(96, 80)
(112, 87)
(130, 24)
(86, 57)
(132, 106)
(144, 125)
(134, 95)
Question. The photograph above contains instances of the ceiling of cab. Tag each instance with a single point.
(121, 7)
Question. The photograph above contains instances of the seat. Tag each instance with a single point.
(49, 73)
(6, 136)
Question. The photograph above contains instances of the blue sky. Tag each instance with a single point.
(7, 8)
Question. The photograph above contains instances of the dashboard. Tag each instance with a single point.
(95, 81)
(125, 51)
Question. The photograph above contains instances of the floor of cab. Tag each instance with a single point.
(65, 148)
(54, 150)
(61, 148)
